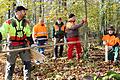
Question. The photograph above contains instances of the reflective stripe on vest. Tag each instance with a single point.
(38, 34)
(40, 30)
(41, 38)
(41, 33)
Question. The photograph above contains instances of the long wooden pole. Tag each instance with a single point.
(28, 48)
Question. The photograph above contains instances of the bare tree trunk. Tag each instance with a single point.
(40, 8)
(102, 18)
(34, 14)
(9, 12)
(101, 31)
(43, 10)
(117, 24)
(86, 26)
(64, 3)
(13, 8)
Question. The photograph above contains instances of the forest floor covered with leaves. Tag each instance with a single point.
(93, 68)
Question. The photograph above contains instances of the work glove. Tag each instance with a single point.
(53, 39)
(45, 43)
(35, 40)
(104, 42)
(33, 45)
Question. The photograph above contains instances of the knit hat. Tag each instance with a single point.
(71, 15)
(71, 18)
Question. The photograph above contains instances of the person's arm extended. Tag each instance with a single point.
(76, 26)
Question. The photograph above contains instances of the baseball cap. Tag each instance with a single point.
(19, 8)
(111, 28)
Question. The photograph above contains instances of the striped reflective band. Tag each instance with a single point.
(40, 33)
(41, 38)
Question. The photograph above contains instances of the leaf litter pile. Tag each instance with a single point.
(93, 68)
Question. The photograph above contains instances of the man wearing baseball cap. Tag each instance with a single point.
(111, 42)
(19, 31)
(19, 8)
(72, 29)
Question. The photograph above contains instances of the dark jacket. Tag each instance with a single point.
(59, 33)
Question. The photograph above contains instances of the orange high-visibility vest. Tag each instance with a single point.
(110, 40)
(59, 29)
(40, 30)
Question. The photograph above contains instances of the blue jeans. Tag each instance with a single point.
(40, 43)
(10, 64)
(114, 54)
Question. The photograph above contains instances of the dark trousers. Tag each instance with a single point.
(41, 43)
(60, 51)
(57, 40)
(11, 59)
